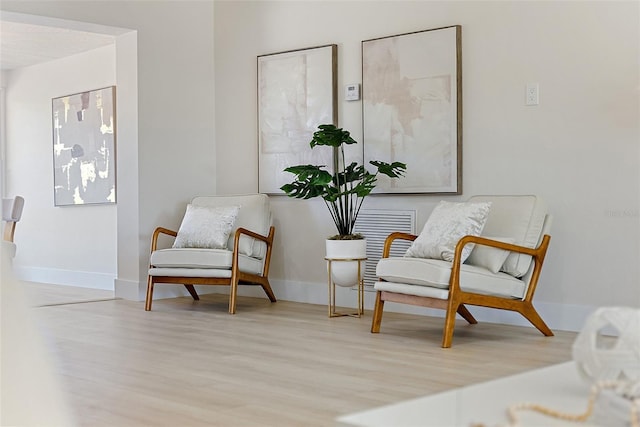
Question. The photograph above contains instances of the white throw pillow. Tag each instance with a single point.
(206, 227)
(489, 257)
(447, 224)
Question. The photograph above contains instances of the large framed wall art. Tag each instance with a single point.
(297, 91)
(84, 148)
(412, 108)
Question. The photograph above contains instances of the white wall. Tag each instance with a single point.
(86, 234)
(166, 121)
(579, 149)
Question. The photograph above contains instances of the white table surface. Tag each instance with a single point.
(557, 387)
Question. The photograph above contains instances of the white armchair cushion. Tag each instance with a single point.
(190, 272)
(519, 217)
(206, 227)
(191, 262)
(254, 215)
(415, 271)
(419, 273)
(420, 291)
(12, 208)
(447, 224)
(489, 257)
(192, 258)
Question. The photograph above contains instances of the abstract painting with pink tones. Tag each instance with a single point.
(412, 109)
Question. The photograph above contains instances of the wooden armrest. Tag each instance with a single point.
(395, 236)
(240, 231)
(255, 235)
(157, 232)
(500, 245)
(538, 255)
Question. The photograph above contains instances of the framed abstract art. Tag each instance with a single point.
(84, 148)
(412, 108)
(297, 91)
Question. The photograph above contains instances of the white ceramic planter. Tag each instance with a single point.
(345, 273)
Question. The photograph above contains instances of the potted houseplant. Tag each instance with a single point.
(343, 191)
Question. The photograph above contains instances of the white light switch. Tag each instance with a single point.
(532, 94)
(352, 92)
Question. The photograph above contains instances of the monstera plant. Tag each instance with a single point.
(343, 191)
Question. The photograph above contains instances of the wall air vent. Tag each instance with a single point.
(376, 225)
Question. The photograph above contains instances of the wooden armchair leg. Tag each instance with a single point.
(377, 313)
(530, 313)
(192, 291)
(449, 324)
(267, 290)
(147, 304)
(233, 294)
(464, 312)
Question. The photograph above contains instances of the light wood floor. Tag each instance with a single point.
(190, 363)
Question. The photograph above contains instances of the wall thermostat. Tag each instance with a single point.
(352, 92)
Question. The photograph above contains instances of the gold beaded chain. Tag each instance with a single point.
(595, 390)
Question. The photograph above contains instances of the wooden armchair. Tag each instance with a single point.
(515, 236)
(244, 260)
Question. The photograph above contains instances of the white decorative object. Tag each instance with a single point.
(611, 364)
(609, 358)
(345, 273)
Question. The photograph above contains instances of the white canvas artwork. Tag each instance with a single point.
(296, 93)
(412, 109)
(84, 148)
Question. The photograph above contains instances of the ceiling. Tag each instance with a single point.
(24, 44)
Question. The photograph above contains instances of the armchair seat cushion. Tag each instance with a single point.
(180, 259)
(190, 272)
(433, 273)
(192, 258)
(403, 288)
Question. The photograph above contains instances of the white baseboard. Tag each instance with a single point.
(562, 317)
(128, 289)
(82, 279)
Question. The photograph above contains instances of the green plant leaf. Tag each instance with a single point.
(332, 136)
(392, 170)
(345, 189)
(351, 173)
(311, 181)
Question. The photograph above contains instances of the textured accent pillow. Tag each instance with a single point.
(489, 257)
(206, 227)
(447, 224)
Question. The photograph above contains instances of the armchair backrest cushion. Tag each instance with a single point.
(254, 215)
(521, 218)
(12, 209)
